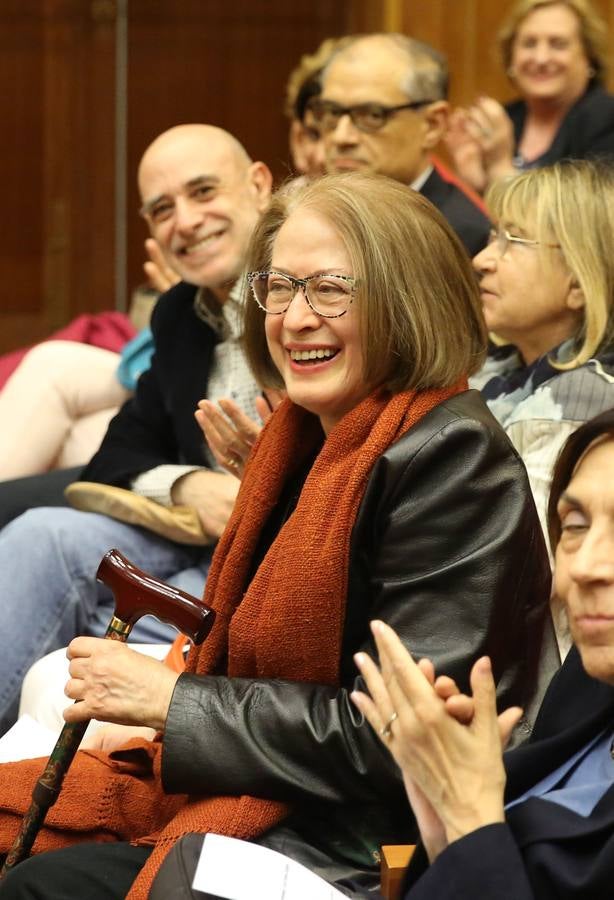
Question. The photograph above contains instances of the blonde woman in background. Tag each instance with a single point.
(547, 289)
(556, 55)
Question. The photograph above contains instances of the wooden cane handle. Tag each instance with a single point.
(138, 594)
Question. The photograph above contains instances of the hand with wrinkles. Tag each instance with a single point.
(117, 684)
(231, 434)
(448, 747)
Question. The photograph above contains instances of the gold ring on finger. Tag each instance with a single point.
(386, 730)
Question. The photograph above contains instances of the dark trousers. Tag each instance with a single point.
(20, 494)
(84, 871)
(107, 871)
(175, 876)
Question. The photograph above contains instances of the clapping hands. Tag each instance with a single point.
(230, 433)
(480, 140)
(447, 745)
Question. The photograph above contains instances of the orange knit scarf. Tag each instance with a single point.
(288, 624)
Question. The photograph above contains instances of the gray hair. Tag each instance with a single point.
(427, 74)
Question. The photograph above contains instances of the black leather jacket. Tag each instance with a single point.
(446, 548)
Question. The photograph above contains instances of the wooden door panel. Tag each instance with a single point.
(56, 106)
(21, 77)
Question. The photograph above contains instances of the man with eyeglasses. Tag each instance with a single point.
(383, 109)
(202, 196)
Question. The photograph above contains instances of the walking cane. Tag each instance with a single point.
(136, 594)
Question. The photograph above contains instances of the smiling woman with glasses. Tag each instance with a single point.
(547, 288)
(379, 484)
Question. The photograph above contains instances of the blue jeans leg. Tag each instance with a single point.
(48, 587)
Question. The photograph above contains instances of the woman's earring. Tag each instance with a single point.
(511, 72)
(591, 72)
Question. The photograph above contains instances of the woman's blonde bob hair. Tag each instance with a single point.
(417, 301)
(593, 32)
(570, 203)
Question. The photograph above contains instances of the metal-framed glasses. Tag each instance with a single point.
(503, 239)
(328, 296)
(366, 117)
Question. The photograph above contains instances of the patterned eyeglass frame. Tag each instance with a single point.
(301, 284)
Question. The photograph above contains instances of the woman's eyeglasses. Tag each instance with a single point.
(503, 239)
(328, 296)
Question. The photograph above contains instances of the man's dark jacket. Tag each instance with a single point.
(467, 219)
(157, 425)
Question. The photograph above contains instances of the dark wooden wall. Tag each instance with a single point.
(56, 153)
(64, 149)
(219, 61)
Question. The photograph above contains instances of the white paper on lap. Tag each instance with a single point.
(238, 870)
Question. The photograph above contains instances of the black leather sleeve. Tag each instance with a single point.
(447, 549)
(452, 549)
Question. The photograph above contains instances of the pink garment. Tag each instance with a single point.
(56, 407)
(108, 330)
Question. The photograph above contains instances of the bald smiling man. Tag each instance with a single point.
(201, 196)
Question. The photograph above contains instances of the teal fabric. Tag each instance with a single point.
(135, 359)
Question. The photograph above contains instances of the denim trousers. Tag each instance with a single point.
(49, 593)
